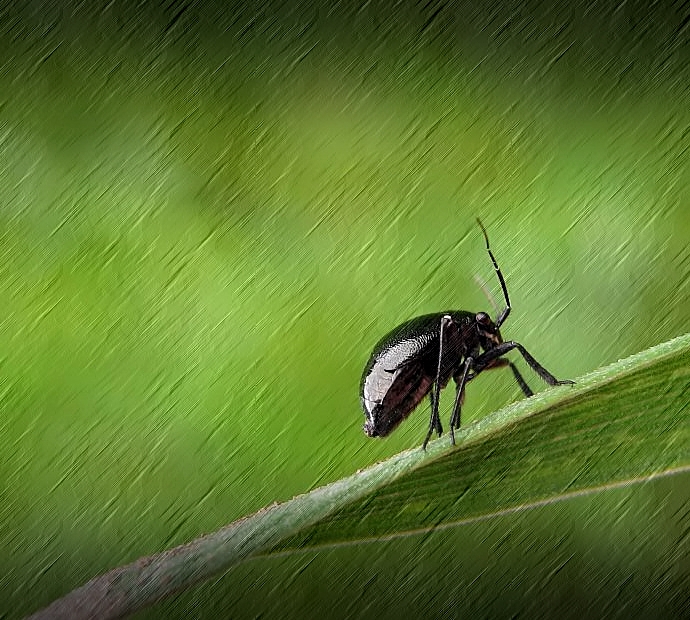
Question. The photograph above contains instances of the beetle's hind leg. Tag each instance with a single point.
(436, 420)
(460, 382)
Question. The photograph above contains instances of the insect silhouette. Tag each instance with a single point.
(420, 356)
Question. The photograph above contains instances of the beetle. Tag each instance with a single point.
(420, 356)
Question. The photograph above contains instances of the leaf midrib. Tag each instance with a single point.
(483, 517)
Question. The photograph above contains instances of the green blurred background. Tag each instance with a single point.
(210, 214)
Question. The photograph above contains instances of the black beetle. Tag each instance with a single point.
(420, 356)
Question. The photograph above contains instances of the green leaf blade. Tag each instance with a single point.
(620, 426)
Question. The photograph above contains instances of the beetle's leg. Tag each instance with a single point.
(516, 373)
(500, 319)
(435, 421)
(460, 381)
(437, 427)
(485, 359)
(520, 380)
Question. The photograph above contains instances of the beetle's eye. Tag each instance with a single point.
(482, 318)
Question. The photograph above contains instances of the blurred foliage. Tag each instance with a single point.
(208, 215)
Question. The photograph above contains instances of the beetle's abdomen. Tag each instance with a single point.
(396, 378)
(403, 367)
(409, 386)
(385, 362)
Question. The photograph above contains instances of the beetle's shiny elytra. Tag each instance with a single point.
(420, 356)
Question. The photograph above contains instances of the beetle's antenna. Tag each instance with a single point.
(487, 293)
(506, 311)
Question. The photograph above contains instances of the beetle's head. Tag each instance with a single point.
(489, 334)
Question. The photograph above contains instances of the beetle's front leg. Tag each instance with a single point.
(460, 382)
(486, 358)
